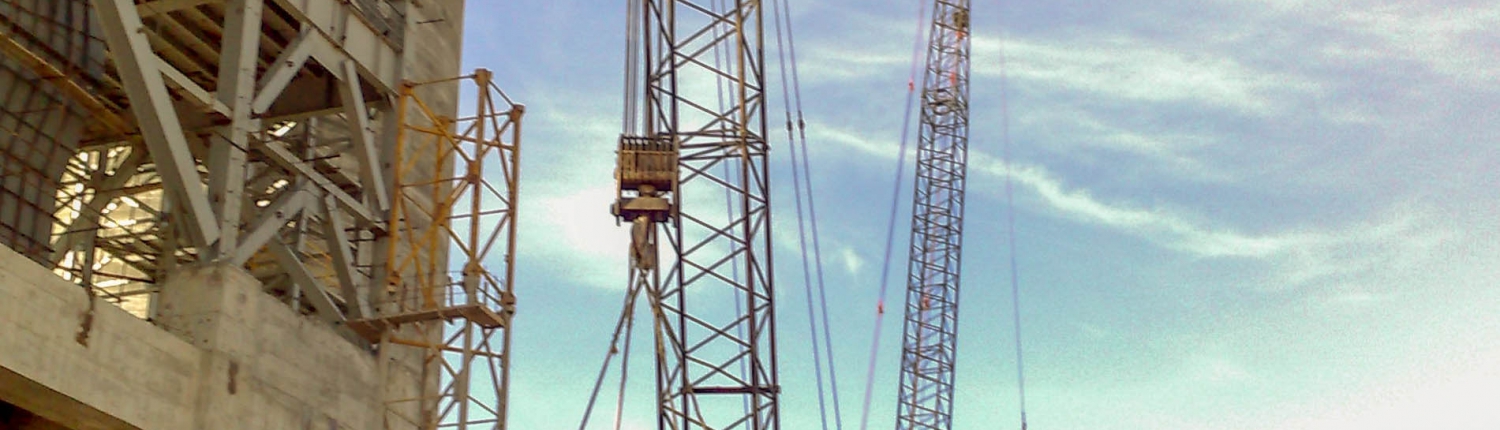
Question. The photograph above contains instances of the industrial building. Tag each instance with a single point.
(251, 214)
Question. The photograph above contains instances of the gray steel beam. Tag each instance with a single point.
(286, 67)
(227, 153)
(284, 157)
(370, 174)
(336, 237)
(272, 218)
(313, 290)
(353, 38)
(158, 7)
(194, 93)
(160, 126)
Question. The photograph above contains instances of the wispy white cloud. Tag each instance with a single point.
(1129, 69)
(1451, 38)
(1456, 41)
(1303, 255)
(851, 260)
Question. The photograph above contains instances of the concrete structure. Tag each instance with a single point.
(224, 356)
(196, 198)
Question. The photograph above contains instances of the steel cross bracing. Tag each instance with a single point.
(230, 131)
(267, 134)
(453, 204)
(928, 353)
(716, 367)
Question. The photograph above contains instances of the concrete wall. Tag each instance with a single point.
(226, 356)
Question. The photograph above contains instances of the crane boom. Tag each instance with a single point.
(928, 353)
(701, 112)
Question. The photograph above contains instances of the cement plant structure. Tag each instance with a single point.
(251, 214)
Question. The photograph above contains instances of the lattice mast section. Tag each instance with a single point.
(449, 295)
(928, 353)
(702, 115)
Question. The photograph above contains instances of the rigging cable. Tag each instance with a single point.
(890, 233)
(812, 213)
(781, 50)
(626, 324)
(1010, 226)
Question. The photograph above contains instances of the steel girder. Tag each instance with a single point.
(928, 354)
(212, 165)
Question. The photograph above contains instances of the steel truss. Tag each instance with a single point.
(210, 147)
(929, 352)
(454, 203)
(277, 135)
(712, 297)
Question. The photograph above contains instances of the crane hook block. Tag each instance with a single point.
(647, 170)
(647, 160)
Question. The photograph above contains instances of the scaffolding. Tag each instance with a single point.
(454, 219)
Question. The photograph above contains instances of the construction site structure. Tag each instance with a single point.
(280, 198)
(929, 349)
(695, 133)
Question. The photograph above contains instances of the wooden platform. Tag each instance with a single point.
(372, 328)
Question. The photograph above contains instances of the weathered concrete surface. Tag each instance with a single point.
(129, 375)
(227, 357)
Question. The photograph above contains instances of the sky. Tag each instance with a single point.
(1250, 214)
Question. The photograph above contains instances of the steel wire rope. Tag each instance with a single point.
(625, 315)
(627, 319)
(778, 13)
(1010, 227)
(891, 225)
(812, 213)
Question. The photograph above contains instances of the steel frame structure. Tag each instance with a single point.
(448, 213)
(211, 148)
(279, 135)
(928, 353)
(716, 367)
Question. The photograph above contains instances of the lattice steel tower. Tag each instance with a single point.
(695, 131)
(928, 352)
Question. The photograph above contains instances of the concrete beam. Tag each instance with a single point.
(48, 404)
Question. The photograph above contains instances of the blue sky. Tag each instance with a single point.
(1230, 214)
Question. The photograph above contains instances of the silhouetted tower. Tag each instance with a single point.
(928, 353)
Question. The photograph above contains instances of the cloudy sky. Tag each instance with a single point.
(1251, 214)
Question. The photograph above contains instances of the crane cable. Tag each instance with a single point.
(802, 178)
(812, 212)
(625, 325)
(890, 233)
(1010, 227)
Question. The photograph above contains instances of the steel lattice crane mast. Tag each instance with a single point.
(928, 353)
(697, 96)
